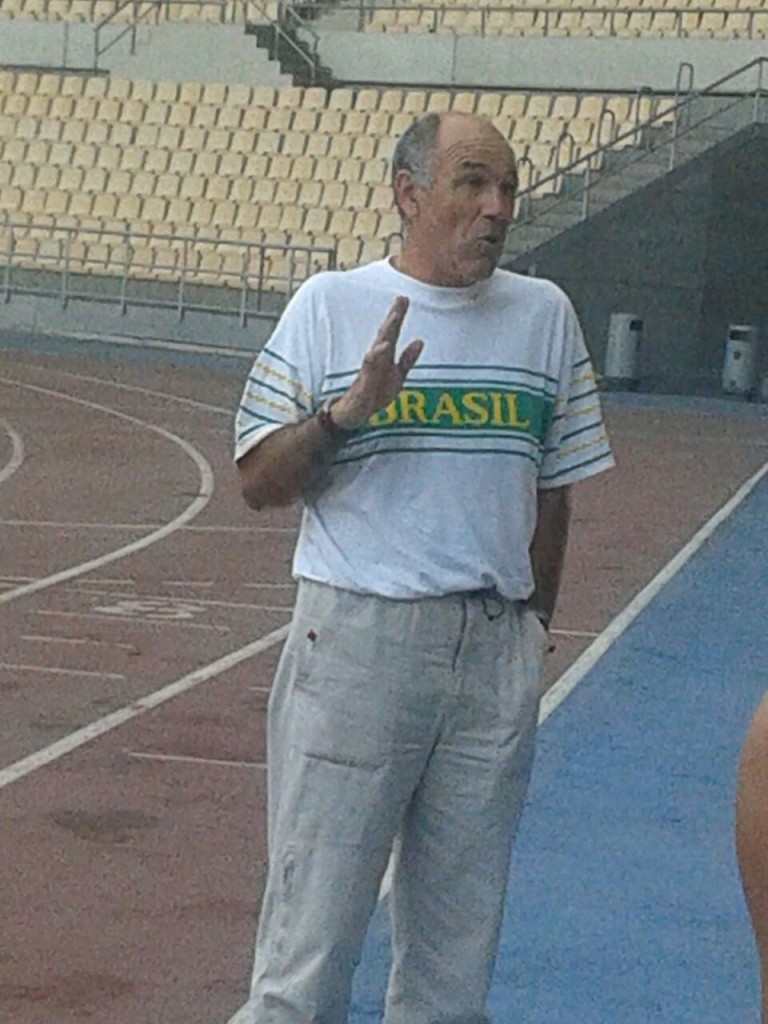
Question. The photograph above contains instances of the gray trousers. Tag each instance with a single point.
(407, 720)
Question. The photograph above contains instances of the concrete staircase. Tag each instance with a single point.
(705, 122)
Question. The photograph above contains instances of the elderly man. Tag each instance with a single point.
(435, 483)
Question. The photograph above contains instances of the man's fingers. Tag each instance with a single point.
(389, 331)
(409, 356)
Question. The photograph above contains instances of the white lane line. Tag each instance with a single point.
(61, 671)
(139, 620)
(571, 678)
(188, 759)
(27, 765)
(144, 391)
(45, 524)
(200, 603)
(43, 638)
(198, 504)
(190, 583)
(574, 632)
(17, 452)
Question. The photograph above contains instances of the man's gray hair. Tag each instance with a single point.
(415, 149)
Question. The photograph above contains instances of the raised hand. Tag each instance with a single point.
(381, 377)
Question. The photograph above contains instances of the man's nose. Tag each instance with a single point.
(499, 203)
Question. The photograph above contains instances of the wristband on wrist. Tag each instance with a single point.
(330, 426)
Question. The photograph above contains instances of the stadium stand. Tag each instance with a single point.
(280, 167)
(620, 20)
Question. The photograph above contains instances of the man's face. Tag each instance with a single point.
(458, 225)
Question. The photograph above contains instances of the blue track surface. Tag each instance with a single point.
(625, 905)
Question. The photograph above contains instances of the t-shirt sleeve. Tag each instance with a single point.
(284, 380)
(576, 445)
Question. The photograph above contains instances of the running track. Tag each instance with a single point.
(141, 610)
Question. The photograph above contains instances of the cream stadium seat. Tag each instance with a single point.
(305, 168)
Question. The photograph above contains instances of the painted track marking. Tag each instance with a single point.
(138, 620)
(204, 495)
(45, 639)
(47, 755)
(17, 452)
(62, 671)
(571, 678)
(60, 525)
(188, 759)
(93, 379)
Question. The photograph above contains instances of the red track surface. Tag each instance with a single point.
(133, 863)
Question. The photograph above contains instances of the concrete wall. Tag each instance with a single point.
(105, 320)
(177, 53)
(736, 261)
(531, 63)
(687, 254)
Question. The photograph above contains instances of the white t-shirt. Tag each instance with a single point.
(438, 492)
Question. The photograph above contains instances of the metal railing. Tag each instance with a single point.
(129, 15)
(287, 22)
(678, 117)
(132, 268)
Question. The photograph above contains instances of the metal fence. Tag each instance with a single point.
(129, 268)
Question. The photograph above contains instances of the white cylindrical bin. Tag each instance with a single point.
(740, 366)
(625, 335)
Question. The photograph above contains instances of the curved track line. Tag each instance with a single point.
(204, 496)
(17, 452)
(67, 744)
(144, 391)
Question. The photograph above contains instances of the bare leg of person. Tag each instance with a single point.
(752, 835)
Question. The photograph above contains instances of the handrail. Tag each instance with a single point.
(587, 161)
(279, 32)
(289, 13)
(126, 268)
(147, 7)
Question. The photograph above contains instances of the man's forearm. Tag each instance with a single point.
(286, 463)
(550, 540)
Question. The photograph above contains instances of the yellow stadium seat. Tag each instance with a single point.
(367, 99)
(314, 98)
(340, 146)
(304, 121)
(304, 168)
(192, 186)
(254, 120)
(231, 164)
(280, 166)
(310, 194)
(294, 143)
(364, 147)
(464, 102)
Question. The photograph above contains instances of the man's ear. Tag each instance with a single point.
(406, 194)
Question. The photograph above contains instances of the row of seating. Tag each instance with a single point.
(146, 11)
(358, 184)
(516, 6)
(640, 23)
(301, 186)
(287, 105)
(364, 136)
